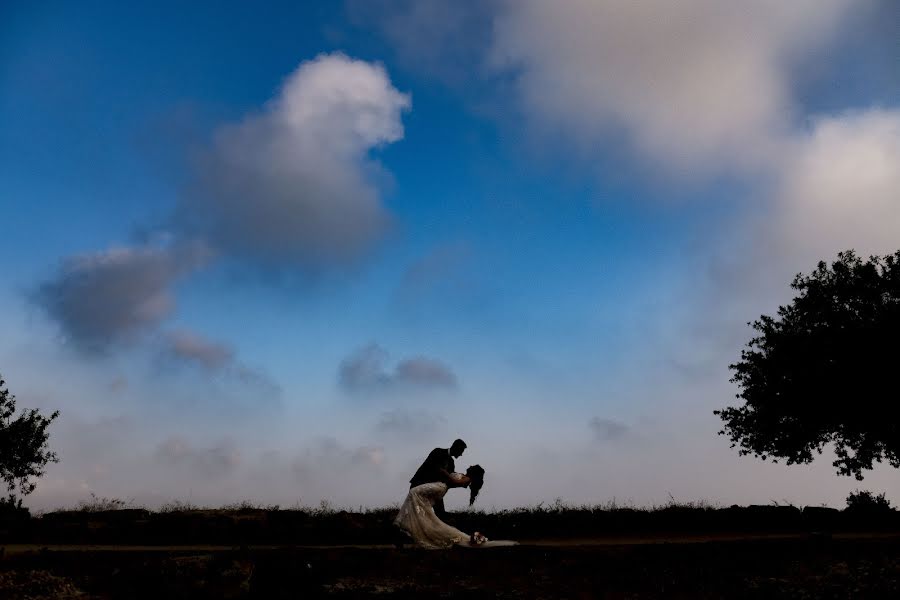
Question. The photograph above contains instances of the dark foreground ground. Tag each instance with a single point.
(686, 551)
(847, 565)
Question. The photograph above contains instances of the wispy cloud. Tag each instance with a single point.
(329, 459)
(444, 39)
(440, 270)
(218, 460)
(116, 295)
(410, 423)
(185, 348)
(194, 348)
(607, 430)
(367, 371)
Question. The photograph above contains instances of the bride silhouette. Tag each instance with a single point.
(418, 520)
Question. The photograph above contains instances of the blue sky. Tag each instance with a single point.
(246, 248)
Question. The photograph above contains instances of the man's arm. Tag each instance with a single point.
(446, 469)
(463, 481)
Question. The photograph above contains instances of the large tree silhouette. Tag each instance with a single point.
(23, 445)
(825, 370)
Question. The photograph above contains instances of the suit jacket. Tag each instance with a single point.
(430, 471)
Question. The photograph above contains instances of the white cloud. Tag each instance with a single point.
(697, 85)
(840, 188)
(836, 187)
(293, 185)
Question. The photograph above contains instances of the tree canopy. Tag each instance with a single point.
(23, 444)
(825, 370)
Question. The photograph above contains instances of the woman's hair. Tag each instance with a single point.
(476, 474)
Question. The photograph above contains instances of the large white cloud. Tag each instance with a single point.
(835, 187)
(294, 185)
(840, 188)
(699, 84)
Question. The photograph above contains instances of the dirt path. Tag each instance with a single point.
(12, 549)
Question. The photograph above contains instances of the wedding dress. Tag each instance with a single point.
(417, 519)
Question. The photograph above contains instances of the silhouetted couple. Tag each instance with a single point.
(421, 514)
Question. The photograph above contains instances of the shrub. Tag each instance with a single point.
(866, 501)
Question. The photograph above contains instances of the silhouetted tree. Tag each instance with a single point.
(867, 502)
(23, 445)
(825, 370)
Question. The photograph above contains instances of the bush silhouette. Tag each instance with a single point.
(867, 502)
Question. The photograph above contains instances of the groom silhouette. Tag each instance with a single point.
(437, 467)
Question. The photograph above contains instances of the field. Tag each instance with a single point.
(566, 552)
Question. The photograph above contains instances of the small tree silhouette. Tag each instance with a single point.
(825, 370)
(23, 446)
(867, 502)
